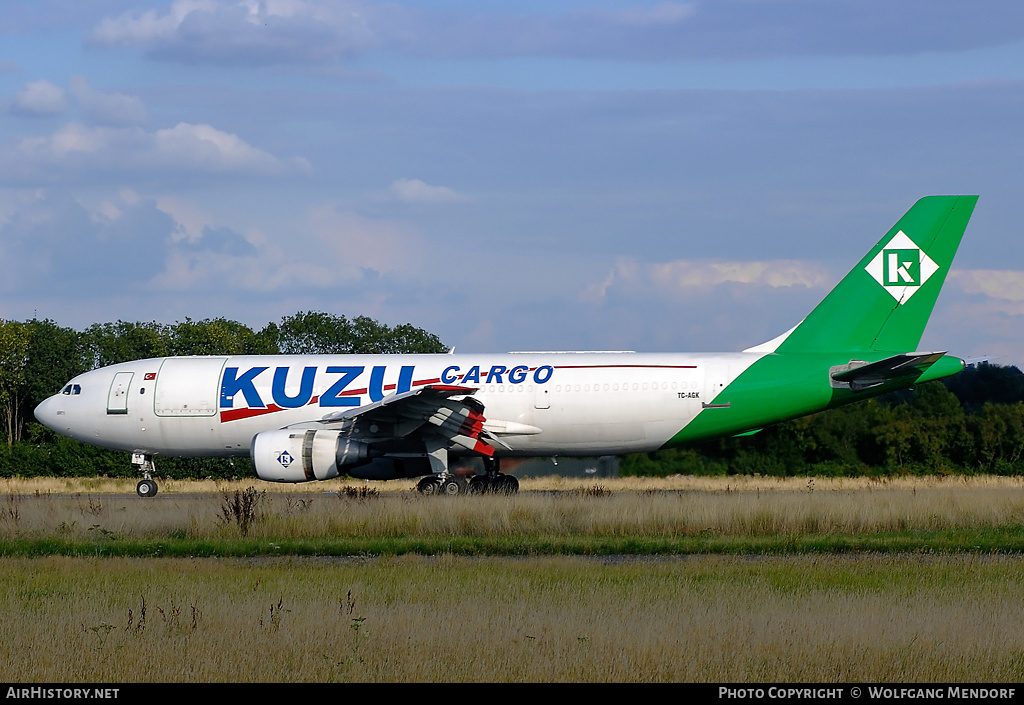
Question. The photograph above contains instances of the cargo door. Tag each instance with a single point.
(188, 386)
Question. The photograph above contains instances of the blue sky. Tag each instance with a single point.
(509, 175)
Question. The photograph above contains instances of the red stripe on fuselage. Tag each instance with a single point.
(248, 412)
(609, 367)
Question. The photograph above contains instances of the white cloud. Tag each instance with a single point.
(333, 250)
(255, 32)
(69, 139)
(681, 277)
(665, 14)
(206, 148)
(105, 212)
(190, 220)
(1007, 285)
(354, 241)
(261, 32)
(40, 98)
(134, 28)
(415, 191)
(184, 148)
(269, 269)
(107, 108)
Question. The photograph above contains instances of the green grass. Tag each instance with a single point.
(942, 519)
(1001, 540)
(859, 618)
(875, 584)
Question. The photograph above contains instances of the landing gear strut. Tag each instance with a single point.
(147, 485)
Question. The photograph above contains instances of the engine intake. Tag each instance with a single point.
(301, 456)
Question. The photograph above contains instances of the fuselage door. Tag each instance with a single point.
(543, 398)
(188, 386)
(117, 398)
(716, 379)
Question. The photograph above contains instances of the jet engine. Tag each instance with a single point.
(299, 456)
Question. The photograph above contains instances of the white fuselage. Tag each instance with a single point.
(537, 403)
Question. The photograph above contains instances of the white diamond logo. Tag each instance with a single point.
(901, 267)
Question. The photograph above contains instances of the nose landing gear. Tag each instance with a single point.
(147, 485)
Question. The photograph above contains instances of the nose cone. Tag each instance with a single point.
(50, 411)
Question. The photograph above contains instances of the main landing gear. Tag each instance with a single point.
(438, 484)
(491, 481)
(147, 485)
(496, 484)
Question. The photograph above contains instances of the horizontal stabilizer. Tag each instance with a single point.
(865, 375)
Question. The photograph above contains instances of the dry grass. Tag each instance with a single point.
(554, 483)
(868, 618)
(718, 619)
(599, 511)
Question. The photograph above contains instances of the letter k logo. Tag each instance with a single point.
(901, 267)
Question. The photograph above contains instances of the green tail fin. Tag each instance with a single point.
(884, 303)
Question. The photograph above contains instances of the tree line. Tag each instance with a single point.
(971, 423)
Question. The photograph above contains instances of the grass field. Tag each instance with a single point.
(725, 516)
(415, 618)
(834, 581)
(555, 483)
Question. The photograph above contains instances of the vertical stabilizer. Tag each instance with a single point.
(884, 303)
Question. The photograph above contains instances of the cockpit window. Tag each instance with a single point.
(66, 390)
(72, 389)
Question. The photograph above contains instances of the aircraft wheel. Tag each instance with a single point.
(451, 486)
(429, 485)
(146, 488)
(479, 484)
(505, 484)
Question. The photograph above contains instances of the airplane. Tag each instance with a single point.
(379, 417)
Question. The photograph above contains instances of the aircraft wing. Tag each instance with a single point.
(861, 376)
(432, 410)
